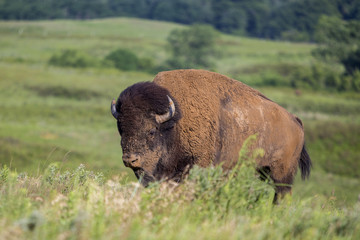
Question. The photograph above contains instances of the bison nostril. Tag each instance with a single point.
(131, 160)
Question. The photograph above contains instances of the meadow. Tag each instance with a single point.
(54, 119)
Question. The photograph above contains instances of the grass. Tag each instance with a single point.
(210, 204)
(61, 115)
(45, 109)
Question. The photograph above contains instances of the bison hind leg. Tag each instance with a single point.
(282, 186)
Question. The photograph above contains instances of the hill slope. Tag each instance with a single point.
(53, 114)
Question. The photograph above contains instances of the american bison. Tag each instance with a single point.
(187, 117)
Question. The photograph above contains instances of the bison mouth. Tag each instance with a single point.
(143, 177)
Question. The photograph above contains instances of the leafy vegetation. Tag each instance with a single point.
(122, 59)
(339, 41)
(126, 60)
(318, 76)
(210, 204)
(339, 44)
(72, 58)
(189, 48)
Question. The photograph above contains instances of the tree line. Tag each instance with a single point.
(275, 19)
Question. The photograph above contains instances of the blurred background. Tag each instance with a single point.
(62, 62)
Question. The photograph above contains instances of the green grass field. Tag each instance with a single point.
(50, 114)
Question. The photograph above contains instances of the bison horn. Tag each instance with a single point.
(113, 110)
(166, 116)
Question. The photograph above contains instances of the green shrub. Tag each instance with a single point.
(350, 82)
(72, 58)
(317, 76)
(66, 181)
(123, 59)
(333, 81)
(302, 78)
(273, 79)
(126, 60)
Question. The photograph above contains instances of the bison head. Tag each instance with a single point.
(146, 115)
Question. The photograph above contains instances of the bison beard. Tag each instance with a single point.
(188, 117)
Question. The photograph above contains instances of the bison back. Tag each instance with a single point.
(220, 113)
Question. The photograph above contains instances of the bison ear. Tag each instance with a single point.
(113, 110)
(168, 115)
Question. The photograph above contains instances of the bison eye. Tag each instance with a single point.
(152, 132)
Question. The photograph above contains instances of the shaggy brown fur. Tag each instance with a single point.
(214, 116)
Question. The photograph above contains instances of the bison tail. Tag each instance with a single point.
(305, 164)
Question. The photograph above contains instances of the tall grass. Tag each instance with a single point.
(210, 204)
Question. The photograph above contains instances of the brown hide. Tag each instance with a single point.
(219, 114)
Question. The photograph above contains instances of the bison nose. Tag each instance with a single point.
(131, 160)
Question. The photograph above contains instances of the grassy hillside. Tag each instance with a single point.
(51, 114)
(35, 42)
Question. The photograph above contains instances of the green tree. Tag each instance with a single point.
(183, 11)
(192, 47)
(229, 18)
(293, 20)
(339, 42)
